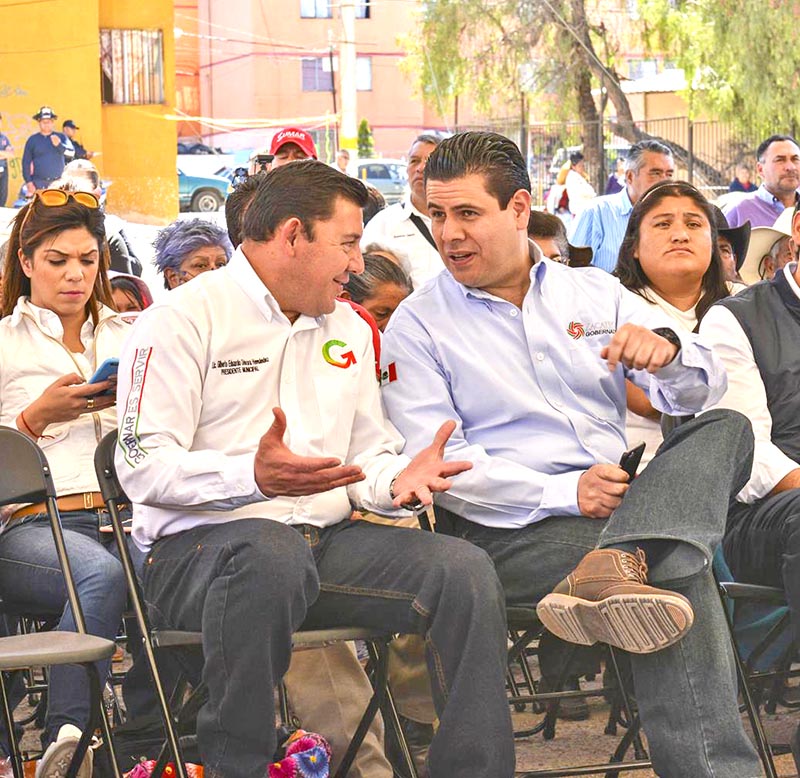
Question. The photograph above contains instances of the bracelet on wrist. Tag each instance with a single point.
(27, 426)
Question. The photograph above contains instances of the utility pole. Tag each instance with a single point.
(348, 126)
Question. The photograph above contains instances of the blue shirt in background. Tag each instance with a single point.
(602, 226)
(535, 403)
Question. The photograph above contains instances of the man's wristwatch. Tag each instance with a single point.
(669, 334)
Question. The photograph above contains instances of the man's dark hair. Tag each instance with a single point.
(634, 160)
(377, 202)
(306, 189)
(575, 158)
(237, 203)
(764, 145)
(493, 156)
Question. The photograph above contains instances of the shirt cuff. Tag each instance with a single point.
(560, 495)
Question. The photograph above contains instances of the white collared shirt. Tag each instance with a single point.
(392, 228)
(746, 394)
(198, 380)
(32, 356)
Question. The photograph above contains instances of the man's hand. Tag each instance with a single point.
(30, 188)
(638, 348)
(428, 472)
(790, 481)
(279, 472)
(600, 490)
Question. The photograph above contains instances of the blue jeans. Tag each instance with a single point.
(31, 581)
(686, 693)
(249, 584)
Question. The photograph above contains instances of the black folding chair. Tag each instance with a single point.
(751, 678)
(524, 628)
(377, 642)
(25, 478)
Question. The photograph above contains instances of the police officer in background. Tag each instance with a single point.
(43, 159)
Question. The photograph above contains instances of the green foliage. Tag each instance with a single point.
(739, 57)
(366, 143)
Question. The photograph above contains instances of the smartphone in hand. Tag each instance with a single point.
(107, 370)
(630, 459)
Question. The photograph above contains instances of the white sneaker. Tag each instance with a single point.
(57, 758)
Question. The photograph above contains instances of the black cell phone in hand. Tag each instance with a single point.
(630, 459)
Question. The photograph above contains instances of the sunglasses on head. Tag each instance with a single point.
(55, 197)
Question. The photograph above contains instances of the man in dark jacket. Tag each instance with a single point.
(43, 159)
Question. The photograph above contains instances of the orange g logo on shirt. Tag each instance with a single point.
(345, 359)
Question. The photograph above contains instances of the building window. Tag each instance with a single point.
(363, 9)
(317, 76)
(132, 66)
(315, 9)
(363, 74)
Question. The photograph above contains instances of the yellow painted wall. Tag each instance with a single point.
(50, 55)
(139, 141)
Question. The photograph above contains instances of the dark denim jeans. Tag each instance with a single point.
(687, 692)
(31, 581)
(249, 584)
(762, 546)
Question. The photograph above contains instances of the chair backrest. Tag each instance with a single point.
(25, 475)
(110, 487)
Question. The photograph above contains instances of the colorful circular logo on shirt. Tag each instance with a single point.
(346, 358)
(576, 330)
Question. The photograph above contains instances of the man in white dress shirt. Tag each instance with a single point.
(244, 481)
(405, 228)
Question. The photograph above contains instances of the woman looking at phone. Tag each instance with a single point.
(670, 257)
(57, 328)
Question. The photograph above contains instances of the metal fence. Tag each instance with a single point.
(706, 152)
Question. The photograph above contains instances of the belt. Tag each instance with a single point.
(87, 501)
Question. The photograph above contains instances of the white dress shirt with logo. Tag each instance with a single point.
(198, 380)
(393, 228)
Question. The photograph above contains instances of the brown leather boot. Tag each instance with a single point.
(606, 599)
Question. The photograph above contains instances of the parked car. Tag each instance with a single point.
(388, 176)
(202, 193)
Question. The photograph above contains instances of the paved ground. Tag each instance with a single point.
(584, 742)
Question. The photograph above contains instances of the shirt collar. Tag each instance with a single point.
(789, 270)
(246, 278)
(539, 261)
(48, 321)
(762, 193)
(409, 209)
(626, 206)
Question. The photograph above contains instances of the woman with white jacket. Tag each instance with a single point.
(56, 330)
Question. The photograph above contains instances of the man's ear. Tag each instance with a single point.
(345, 295)
(25, 263)
(520, 203)
(290, 232)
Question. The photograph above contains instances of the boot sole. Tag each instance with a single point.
(639, 623)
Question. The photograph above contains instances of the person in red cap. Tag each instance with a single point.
(291, 144)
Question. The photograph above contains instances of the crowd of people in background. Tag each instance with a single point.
(463, 348)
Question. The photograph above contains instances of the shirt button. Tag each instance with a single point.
(539, 356)
(514, 312)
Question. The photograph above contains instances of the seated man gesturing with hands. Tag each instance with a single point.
(530, 357)
(244, 483)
